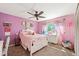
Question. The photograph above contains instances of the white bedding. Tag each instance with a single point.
(33, 42)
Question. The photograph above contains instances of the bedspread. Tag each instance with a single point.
(33, 42)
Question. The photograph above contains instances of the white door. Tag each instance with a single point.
(77, 31)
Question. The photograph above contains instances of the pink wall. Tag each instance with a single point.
(16, 25)
(37, 26)
(68, 25)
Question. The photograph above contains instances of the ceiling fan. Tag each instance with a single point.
(37, 14)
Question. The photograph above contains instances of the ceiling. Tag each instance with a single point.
(51, 10)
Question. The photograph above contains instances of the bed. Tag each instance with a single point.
(32, 41)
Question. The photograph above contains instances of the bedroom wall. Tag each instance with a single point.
(37, 26)
(68, 27)
(16, 25)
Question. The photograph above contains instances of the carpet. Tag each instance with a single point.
(53, 51)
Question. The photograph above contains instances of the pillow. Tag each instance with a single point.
(28, 32)
(33, 33)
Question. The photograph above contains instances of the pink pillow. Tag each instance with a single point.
(28, 32)
(31, 32)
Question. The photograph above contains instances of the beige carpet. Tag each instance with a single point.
(17, 51)
(51, 50)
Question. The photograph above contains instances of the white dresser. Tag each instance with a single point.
(1, 46)
(52, 39)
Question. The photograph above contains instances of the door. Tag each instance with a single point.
(77, 31)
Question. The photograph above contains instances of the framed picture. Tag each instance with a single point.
(7, 27)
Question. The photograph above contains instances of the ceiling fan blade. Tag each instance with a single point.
(41, 13)
(30, 13)
(37, 18)
(41, 17)
(31, 17)
(34, 17)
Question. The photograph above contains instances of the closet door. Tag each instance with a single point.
(77, 31)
